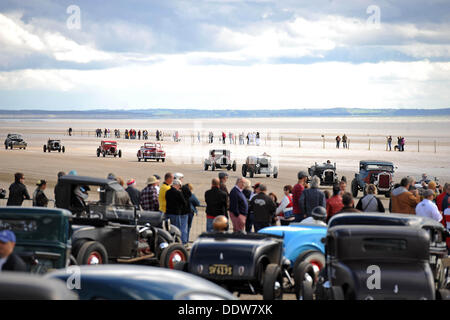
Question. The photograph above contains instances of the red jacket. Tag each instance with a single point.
(334, 205)
(439, 200)
(296, 193)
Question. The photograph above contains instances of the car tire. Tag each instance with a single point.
(267, 175)
(273, 283)
(139, 159)
(354, 188)
(63, 149)
(92, 252)
(443, 294)
(171, 254)
(163, 159)
(251, 173)
(157, 160)
(6, 146)
(244, 170)
(336, 293)
(234, 166)
(213, 167)
(104, 154)
(181, 266)
(98, 153)
(311, 256)
(45, 148)
(304, 280)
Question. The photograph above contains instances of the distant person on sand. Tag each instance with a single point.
(70, 131)
(338, 141)
(344, 141)
(389, 143)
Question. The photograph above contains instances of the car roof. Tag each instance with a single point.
(391, 219)
(109, 141)
(389, 163)
(161, 282)
(24, 286)
(84, 180)
(34, 210)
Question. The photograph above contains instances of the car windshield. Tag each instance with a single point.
(43, 228)
(379, 167)
(109, 143)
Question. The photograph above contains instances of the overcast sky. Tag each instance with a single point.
(234, 54)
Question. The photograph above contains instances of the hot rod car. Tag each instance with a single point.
(105, 231)
(376, 256)
(151, 150)
(243, 263)
(15, 141)
(108, 148)
(377, 172)
(325, 171)
(219, 159)
(259, 165)
(54, 145)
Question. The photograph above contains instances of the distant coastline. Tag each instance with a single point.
(219, 113)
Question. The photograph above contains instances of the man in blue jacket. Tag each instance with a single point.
(238, 206)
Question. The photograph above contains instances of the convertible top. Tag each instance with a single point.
(84, 180)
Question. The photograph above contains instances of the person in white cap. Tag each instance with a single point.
(179, 176)
(427, 208)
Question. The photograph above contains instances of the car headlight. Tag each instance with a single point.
(163, 245)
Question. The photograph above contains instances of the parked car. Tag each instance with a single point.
(243, 263)
(119, 282)
(108, 148)
(105, 231)
(15, 141)
(438, 258)
(219, 159)
(22, 286)
(301, 243)
(371, 263)
(259, 165)
(54, 145)
(43, 236)
(325, 171)
(380, 173)
(151, 150)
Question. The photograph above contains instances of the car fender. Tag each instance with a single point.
(293, 249)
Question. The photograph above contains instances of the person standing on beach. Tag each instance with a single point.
(403, 200)
(370, 203)
(334, 204)
(216, 203)
(17, 191)
(344, 141)
(263, 208)
(168, 179)
(338, 141)
(175, 208)
(311, 198)
(59, 191)
(39, 197)
(135, 194)
(238, 206)
(149, 195)
(389, 143)
(427, 208)
(296, 194)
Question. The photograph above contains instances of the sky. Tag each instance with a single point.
(234, 54)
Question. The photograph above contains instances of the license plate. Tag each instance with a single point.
(220, 270)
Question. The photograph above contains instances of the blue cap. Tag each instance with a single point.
(7, 236)
(73, 173)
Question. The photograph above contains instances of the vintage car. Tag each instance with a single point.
(105, 231)
(43, 236)
(109, 148)
(54, 145)
(120, 282)
(15, 141)
(219, 159)
(325, 171)
(301, 243)
(380, 173)
(23, 286)
(243, 263)
(371, 263)
(259, 165)
(438, 234)
(151, 150)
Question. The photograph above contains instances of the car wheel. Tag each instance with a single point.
(228, 167)
(244, 170)
(181, 266)
(92, 252)
(163, 159)
(157, 160)
(6, 147)
(173, 254)
(354, 188)
(304, 279)
(98, 153)
(45, 148)
(139, 159)
(120, 153)
(336, 293)
(213, 167)
(234, 166)
(267, 175)
(273, 283)
(59, 150)
(63, 149)
(316, 258)
(251, 173)
(145, 160)
(387, 194)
